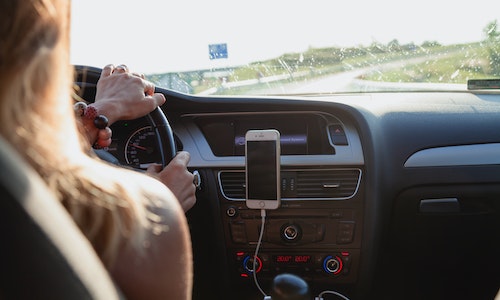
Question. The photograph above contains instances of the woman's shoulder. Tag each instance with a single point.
(159, 244)
(140, 187)
(150, 205)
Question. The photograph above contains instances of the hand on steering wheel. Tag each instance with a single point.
(138, 98)
(128, 96)
(124, 95)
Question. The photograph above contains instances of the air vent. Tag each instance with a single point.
(327, 184)
(232, 184)
(317, 184)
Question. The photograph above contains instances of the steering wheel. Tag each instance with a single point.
(86, 79)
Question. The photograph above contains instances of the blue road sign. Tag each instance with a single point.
(217, 51)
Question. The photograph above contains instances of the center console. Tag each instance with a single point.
(317, 231)
(315, 234)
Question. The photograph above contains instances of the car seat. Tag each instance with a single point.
(43, 254)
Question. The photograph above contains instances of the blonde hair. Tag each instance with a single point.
(38, 120)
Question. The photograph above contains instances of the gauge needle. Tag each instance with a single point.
(139, 147)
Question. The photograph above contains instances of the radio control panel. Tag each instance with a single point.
(321, 249)
(315, 266)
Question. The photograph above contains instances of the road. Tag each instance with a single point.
(350, 81)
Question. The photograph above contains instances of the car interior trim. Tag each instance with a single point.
(463, 155)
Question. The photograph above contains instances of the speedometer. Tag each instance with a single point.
(141, 149)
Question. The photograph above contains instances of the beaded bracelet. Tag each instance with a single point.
(89, 112)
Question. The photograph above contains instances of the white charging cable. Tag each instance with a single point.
(320, 296)
(254, 266)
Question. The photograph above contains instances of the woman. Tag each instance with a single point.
(133, 221)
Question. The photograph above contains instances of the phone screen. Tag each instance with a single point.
(261, 170)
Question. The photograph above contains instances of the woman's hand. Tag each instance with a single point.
(177, 178)
(122, 95)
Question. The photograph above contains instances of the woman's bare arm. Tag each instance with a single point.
(158, 265)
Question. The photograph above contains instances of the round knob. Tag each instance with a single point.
(332, 265)
(248, 264)
(291, 232)
(231, 211)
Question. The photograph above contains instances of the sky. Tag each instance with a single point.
(156, 36)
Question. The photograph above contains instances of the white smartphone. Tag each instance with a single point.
(262, 169)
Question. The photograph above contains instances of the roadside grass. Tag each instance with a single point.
(465, 62)
(442, 64)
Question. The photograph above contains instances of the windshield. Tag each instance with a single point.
(227, 47)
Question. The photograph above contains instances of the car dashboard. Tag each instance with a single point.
(384, 195)
(316, 233)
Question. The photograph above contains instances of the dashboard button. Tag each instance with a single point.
(345, 232)
(238, 232)
(338, 135)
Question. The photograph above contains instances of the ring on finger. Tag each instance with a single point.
(121, 68)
